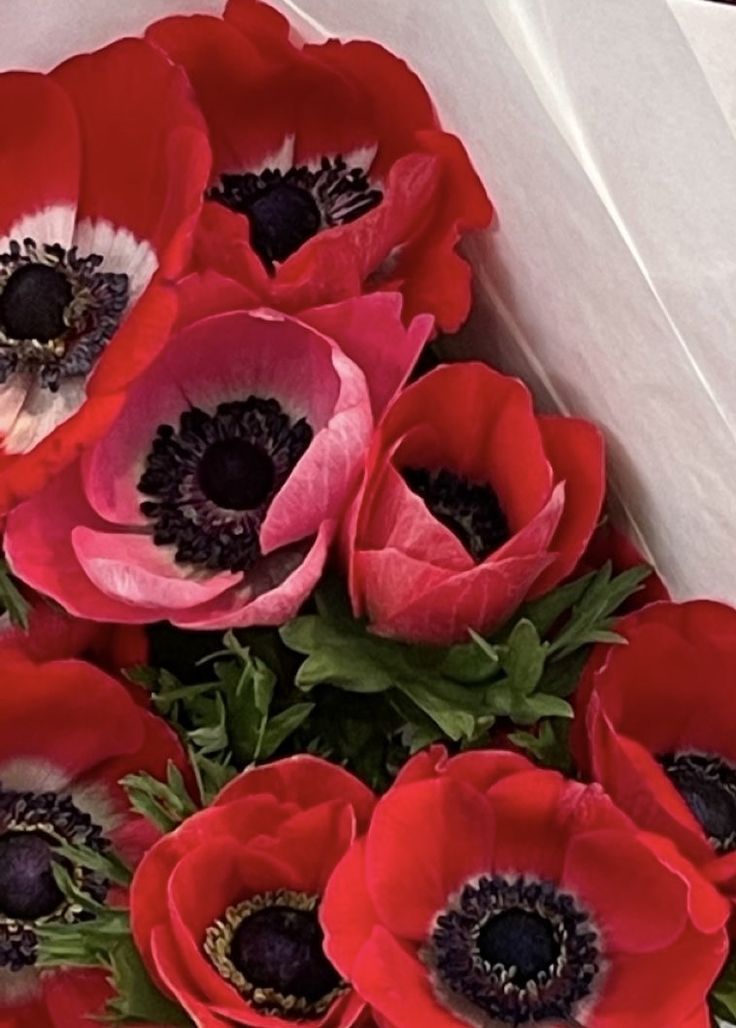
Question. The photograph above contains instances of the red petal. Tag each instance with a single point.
(145, 153)
(39, 162)
(303, 780)
(414, 863)
(347, 914)
(575, 451)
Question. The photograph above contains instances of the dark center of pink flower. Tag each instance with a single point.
(470, 510)
(280, 948)
(514, 950)
(707, 784)
(32, 825)
(212, 481)
(270, 948)
(236, 475)
(286, 209)
(57, 312)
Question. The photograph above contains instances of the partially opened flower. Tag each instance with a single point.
(68, 734)
(225, 908)
(214, 497)
(657, 727)
(487, 893)
(470, 504)
(331, 174)
(103, 163)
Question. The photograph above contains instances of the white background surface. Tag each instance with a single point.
(604, 132)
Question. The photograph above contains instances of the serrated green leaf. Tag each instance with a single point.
(523, 657)
(471, 663)
(723, 994)
(601, 599)
(138, 999)
(527, 710)
(165, 804)
(550, 746)
(338, 655)
(545, 612)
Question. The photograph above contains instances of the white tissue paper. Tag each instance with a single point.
(606, 135)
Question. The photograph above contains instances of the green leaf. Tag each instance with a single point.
(550, 746)
(138, 999)
(545, 612)
(11, 599)
(165, 804)
(523, 657)
(280, 727)
(527, 710)
(471, 663)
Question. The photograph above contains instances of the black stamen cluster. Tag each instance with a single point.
(285, 209)
(213, 480)
(708, 785)
(516, 950)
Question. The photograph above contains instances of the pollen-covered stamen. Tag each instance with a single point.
(58, 311)
(32, 825)
(708, 785)
(270, 948)
(285, 209)
(513, 950)
(470, 510)
(213, 480)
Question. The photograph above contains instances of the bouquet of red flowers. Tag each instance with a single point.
(331, 695)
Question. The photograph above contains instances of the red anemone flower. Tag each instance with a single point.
(68, 734)
(225, 908)
(657, 727)
(488, 893)
(103, 165)
(470, 504)
(331, 175)
(213, 498)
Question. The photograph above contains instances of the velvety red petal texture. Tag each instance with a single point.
(647, 700)
(446, 822)
(84, 540)
(282, 826)
(408, 572)
(145, 155)
(271, 103)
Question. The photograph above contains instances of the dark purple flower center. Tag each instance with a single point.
(707, 784)
(514, 950)
(28, 889)
(280, 948)
(212, 481)
(471, 510)
(286, 209)
(58, 311)
(33, 303)
(32, 826)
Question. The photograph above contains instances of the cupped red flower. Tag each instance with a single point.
(470, 504)
(103, 163)
(490, 893)
(225, 908)
(331, 174)
(52, 634)
(656, 726)
(213, 498)
(68, 734)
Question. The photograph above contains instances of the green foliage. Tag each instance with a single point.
(723, 995)
(104, 941)
(522, 675)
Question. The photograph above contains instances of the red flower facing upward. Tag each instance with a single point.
(470, 504)
(488, 893)
(331, 175)
(68, 734)
(225, 908)
(657, 727)
(213, 498)
(103, 165)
